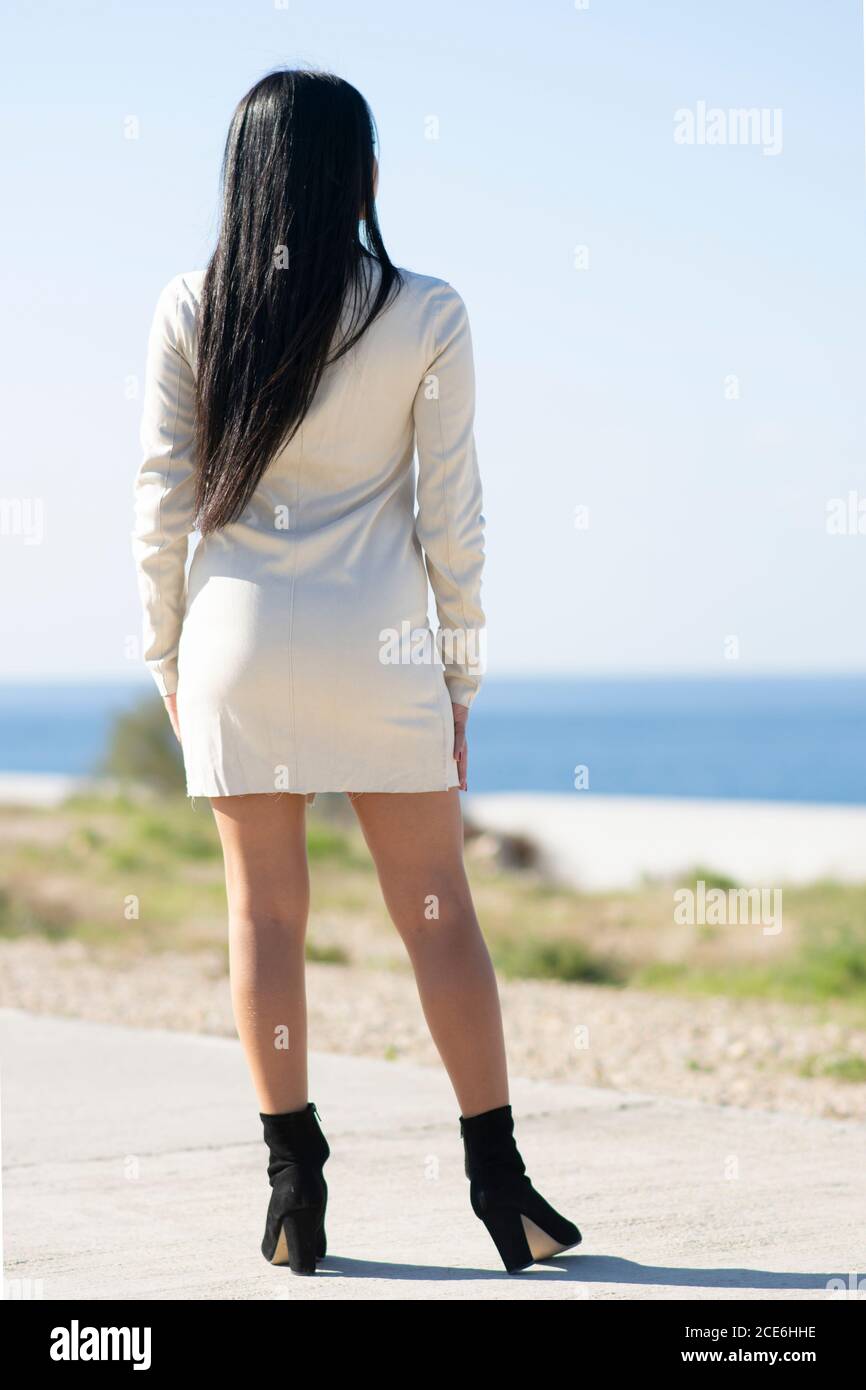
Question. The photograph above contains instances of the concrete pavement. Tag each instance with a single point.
(134, 1168)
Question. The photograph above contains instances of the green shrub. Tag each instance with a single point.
(142, 748)
(21, 916)
(555, 959)
(326, 955)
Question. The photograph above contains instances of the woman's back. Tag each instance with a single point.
(292, 604)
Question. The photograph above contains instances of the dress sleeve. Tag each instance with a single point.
(449, 521)
(164, 489)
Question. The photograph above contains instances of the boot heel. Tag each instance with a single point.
(506, 1230)
(300, 1234)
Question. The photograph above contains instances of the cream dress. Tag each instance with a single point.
(299, 643)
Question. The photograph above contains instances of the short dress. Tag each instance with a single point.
(298, 642)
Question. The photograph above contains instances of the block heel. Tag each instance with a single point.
(506, 1230)
(299, 1240)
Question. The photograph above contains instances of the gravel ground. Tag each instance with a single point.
(739, 1052)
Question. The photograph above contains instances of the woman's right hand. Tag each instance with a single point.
(461, 750)
(170, 702)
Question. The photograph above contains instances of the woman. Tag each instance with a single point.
(286, 386)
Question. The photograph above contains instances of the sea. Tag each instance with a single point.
(768, 738)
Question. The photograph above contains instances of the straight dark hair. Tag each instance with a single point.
(297, 188)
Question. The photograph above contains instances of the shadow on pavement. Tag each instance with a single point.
(590, 1269)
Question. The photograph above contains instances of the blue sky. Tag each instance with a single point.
(605, 387)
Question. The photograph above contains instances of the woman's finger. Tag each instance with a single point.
(171, 707)
(461, 756)
(461, 748)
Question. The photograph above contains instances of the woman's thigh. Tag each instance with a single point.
(263, 838)
(416, 840)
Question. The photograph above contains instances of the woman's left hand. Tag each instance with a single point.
(461, 748)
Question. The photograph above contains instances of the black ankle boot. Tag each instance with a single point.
(295, 1226)
(524, 1227)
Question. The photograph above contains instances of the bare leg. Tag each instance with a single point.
(267, 882)
(416, 840)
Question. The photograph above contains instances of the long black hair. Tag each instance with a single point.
(298, 184)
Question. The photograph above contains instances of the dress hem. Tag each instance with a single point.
(326, 791)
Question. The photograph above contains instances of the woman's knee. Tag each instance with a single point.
(269, 920)
(443, 910)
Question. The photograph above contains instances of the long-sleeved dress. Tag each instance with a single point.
(299, 644)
